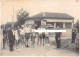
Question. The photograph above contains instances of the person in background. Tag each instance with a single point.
(27, 35)
(73, 35)
(1, 39)
(11, 39)
(77, 42)
(4, 37)
(58, 38)
(43, 35)
(22, 35)
(33, 36)
(13, 35)
(39, 37)
(18, 30)
(16, 37)
(47, 38)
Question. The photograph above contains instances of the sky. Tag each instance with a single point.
(70, 7)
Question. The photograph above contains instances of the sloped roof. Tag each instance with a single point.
(52, 15)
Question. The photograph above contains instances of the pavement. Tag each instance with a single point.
(50, 50)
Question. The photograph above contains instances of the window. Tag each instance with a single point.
(60, 24)
(68, 25)
(50, 25)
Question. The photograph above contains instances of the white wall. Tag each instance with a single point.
(29, 22)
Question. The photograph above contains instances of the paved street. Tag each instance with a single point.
(39, 51)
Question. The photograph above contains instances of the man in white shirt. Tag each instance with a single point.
(22, 35)
(33, 36)
(16, 37)
(39, 36)
(27, 35)
(43, 35)
(47, 38)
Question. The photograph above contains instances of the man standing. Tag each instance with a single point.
(46, 38)
(16, 37)
(33, 36)
(4, 37)
(39, 36)
(22, 35)
(43, 35)
(58, 38)
(1, 37)
(73, 35)
(11, 39)
(27, 35)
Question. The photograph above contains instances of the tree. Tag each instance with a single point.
(21, 16)
(9, 24)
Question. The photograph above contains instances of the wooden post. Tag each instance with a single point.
(54, 24)
(63, 25)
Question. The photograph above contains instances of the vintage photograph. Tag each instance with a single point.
(22, 25)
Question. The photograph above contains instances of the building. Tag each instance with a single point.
(52, 20)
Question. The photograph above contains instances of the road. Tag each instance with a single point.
(51, 50)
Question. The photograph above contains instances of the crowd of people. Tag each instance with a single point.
(24, 35)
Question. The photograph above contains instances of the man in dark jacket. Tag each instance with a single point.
(58, 38)
(4, 37)
(11, 39)
(73, 35)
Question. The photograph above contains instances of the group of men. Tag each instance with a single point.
(22, 35)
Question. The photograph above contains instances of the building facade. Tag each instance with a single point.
(52, 20)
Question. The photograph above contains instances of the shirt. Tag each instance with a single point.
(39, 32)
(46, 32)
(27, 29)
(33, 32)
(22, 31)
(41, 29)
(16, 35)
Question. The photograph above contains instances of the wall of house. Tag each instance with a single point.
(29, 22)
(68, 32)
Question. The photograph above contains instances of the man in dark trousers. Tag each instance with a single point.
(58, 38)
(11, 39)
(73, 35)
(4, 37)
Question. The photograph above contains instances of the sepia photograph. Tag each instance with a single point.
(39, 27)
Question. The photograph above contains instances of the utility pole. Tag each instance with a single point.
(13, 14)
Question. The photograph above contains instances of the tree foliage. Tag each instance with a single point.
(21, 16)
